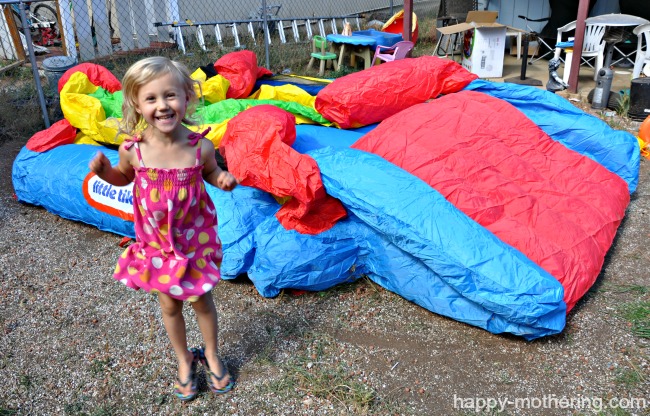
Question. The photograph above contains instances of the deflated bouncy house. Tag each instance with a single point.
(440, 187)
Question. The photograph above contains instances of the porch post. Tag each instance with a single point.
(583, 10)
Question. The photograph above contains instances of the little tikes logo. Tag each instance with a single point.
(113, 200)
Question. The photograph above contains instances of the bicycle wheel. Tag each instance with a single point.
(45, 13)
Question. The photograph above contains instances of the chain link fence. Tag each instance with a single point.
(89, 29)
(102, 31)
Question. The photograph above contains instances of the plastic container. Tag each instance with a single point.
(382, 38)
(639, 99)
(603, 88)
(55, 66)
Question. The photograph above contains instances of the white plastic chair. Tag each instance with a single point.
(642, 49)
(593, 47)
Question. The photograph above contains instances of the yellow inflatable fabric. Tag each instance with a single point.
(86, 112)
(212, 90)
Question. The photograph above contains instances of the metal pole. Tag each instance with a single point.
(524, 62)
(583, 11)
(391, 8)
(408, 20)
(32, 59)
(266, 34)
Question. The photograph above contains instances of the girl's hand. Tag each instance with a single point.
(226, 181)
(99, 163)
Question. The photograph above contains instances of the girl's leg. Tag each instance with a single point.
(206, 314)
(172, 313)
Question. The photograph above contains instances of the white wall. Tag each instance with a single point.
(510, 9)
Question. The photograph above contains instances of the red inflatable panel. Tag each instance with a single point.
(370, 96)
(559, 208)
(97, 74)
(257, 147)
(59, 133)
(240, 68)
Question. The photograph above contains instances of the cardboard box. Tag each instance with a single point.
(483, 43)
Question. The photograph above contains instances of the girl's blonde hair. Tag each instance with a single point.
(145, 71)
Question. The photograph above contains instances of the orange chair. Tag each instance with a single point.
(392, 53)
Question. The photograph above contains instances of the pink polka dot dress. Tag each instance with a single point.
(177, 249)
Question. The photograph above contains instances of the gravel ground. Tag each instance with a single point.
(74, 341)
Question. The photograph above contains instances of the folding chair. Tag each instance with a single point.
(451, 14)
(540, 40)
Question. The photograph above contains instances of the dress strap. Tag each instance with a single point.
(194, 139)
(131, 141)
(137, 152)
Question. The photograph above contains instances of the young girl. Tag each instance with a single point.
(177, 250)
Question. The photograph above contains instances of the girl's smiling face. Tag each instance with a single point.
(162, 102)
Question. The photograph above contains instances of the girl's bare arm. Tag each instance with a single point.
(118, 175)
(212, 173)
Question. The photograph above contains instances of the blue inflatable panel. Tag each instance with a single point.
(239, 213)
(423, 223)
(311, 88)
(422, 248)
(616, 150)
(317, 262)
(312, 137)
(56, 180)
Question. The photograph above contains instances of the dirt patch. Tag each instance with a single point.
(73, 341)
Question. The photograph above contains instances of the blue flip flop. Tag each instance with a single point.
(210, 374)
(190, 379)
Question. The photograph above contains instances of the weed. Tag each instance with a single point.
(623, 106)
(342, 71)
(636, 289)
(265, 356)
(73, 408)
(335, 384)
(505, 377)
(638, 314)
(104, 410)
(97, 367)
(307, 375)
(7, 412)
(628, 377)
(615, 411)
(20, 98)
(25, 381)
(341, 289)
(19, 73)
(416, 325)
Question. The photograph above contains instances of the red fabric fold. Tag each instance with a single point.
(59, 133)
(97, 74)
(559, 208)
(240, 68)
(370, 96)
(257, 148)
